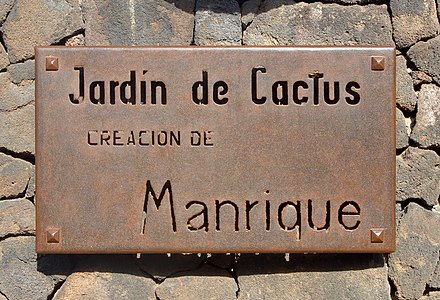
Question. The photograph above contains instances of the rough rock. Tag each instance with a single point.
(420, 77)
(217, 23)
(30, 191)
(103, 286)
(402, 138)
(406, 97)
(329, 276)
(77, 40)
(16, 217)
(19, 277)
(22, 71)
(5, 8)
(418, 245)
(418, 175)
(4, 60)
(18, 132)
(104, 277)
(37, 23)
(251, 8)
(138, 22)
(434, 282)
(14, 176)
(205, 283)
(160, 265)
(426, 132)
(13, 96)
(423, 54)
(413, 20)
(319, 24)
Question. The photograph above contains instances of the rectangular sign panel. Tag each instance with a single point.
(234, 149)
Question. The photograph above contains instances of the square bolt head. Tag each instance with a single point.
(51, 63)
(53, 235)
(377, 63)
(377, 235)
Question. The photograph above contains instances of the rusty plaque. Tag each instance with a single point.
(230, 149)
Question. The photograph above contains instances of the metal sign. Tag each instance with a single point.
(229, 149)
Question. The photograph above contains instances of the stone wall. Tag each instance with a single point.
(412, 272)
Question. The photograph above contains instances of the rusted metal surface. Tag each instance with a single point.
(215, 149)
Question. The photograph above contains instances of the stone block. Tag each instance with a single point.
(38, 23)
(17, 217)
(217, 23)
(18, 129)
(418, 175)
(406, 97)
(416, 256)
(424, 55)
(19, 277)
(288, 23)
(14, 176)
(205, 283)
(322, 276)
(413, 20)
(141, 22)
(402, 138)
(426, 132)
